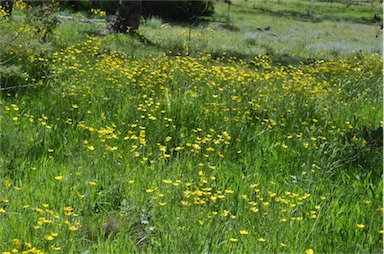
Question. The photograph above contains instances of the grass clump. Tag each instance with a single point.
(154, 22)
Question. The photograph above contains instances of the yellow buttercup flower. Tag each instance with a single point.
(243, 232)
(234, 240)
(309, 251)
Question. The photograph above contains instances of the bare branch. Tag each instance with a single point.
(9, 59)
(30, 85)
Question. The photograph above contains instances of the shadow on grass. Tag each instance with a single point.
(141, 38)
(277, 59)
(310, 16)
(180, 50)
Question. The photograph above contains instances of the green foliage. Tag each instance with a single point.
(110, 6)
(15, 71)
(169, 10)
(178, 10)
(129, 148)
(43, 20)
(23, 51)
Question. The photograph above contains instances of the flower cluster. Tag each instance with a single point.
(240, 148)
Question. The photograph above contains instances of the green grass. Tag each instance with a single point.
(329, 32)
(127, 146)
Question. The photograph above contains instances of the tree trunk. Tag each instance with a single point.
(127, 18)
(7, 6)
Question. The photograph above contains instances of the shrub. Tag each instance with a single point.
(170, 10)
(178, 10)
(24, 48)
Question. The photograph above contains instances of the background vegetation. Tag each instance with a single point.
(216, 137)
(171, 10)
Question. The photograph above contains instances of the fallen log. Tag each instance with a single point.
(84, 20)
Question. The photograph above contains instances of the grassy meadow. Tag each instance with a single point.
(235, 140)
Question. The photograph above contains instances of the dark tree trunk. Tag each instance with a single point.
(127, 18)
(7, 6)
(74, 4)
